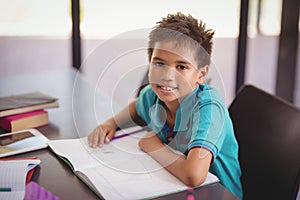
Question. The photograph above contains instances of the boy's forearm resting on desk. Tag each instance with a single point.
(191, 169)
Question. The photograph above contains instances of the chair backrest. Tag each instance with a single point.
(268, 132)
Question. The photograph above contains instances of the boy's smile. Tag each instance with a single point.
(173, 72)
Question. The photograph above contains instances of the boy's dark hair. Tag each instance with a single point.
(186, 31)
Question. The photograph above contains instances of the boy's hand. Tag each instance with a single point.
(102, 133)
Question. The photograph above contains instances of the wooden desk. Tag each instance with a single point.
(75, 117)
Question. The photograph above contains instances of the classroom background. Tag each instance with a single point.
(36, 35)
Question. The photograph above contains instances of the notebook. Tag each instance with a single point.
(119, 170)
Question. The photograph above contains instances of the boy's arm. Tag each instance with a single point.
(191, 169)
(105, 132)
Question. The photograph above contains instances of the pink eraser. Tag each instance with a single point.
(190, 195)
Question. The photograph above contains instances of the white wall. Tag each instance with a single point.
(33, 54)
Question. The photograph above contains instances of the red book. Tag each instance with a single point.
(25, 120)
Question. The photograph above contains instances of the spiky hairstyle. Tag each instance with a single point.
(187, 32)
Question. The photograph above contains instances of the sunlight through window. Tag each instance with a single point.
(35, 18)
(104, 19)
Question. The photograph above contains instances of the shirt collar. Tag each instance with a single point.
(184, 111)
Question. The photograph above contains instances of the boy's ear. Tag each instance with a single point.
(203, 71)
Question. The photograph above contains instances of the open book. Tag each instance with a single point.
(14, 175)
(119, 170)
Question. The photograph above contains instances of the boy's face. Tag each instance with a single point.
(173, 72)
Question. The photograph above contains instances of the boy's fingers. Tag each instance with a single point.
(95, 141)
(91, 139)
(99, 136)
(95, 138)
(109, 136)
(102, 135)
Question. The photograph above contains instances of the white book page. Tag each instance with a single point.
(112, 184)
(76, 151)
(13, 175)
(119, 166)
(115, 178)
(82, 156)
(18, 195)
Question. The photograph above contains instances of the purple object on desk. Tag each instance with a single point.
(35, 192)
(126, 134)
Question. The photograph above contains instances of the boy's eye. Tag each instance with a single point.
(159, 64)
(181, 67)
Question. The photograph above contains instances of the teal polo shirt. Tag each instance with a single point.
(202, 120)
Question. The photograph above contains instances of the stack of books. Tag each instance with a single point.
(23, 111)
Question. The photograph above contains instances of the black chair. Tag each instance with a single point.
(268, 132)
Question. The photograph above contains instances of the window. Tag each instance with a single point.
(270, 19)
(103, 19)
(35, 18)
(264, 17)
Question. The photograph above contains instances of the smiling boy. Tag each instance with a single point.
(191, 130)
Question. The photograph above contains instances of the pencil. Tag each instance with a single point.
(126, 134)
